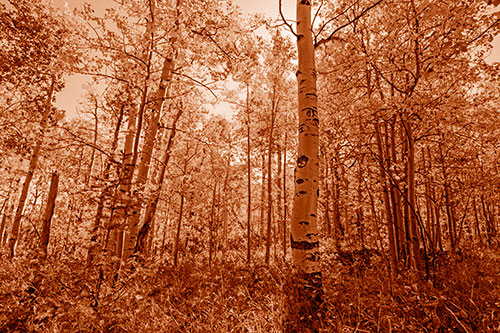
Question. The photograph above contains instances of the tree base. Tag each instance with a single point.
(304, 303)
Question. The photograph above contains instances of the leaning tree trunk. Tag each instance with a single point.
(133, 221)
(306, 296)
(29, 175)
(145, 233)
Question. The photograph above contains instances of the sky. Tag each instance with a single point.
(68, 98)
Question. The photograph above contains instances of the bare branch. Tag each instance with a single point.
(286, 22)
(197, 82)
(332, 35)
(317, 12)
(485, 31)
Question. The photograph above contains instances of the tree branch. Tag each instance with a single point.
(331, 37)
(286, 22)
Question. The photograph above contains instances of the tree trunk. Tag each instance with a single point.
(29, 175)
(49, 211)
(269, 183)
(388, 213)
(285, 202)
(178, 233)
(147, 152)
(249, 179)
(6, 210)
(396, 197)
(144, 233)
(211, 229)
(279, 206)
(263, 195)
(306, 296)
(104, 192)
(414, 240)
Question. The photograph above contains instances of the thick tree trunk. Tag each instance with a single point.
(49, 211)
(306, 296)
(29, 175)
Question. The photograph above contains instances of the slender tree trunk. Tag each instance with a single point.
(88, 176)
(285, 203)
(279, 206)
(306, 297)
(249, 180)
(450, 211)
(211, 229)
(178, 233)
(388, 212)
(49, 211)
(125, 177)
(476, 218)
(414, 240)
(269, 184)
(104, 192)
(337, 215)
(263, 195)
(29, 175)
(328, 194)
(3, 224)
(396, 193)
(6, 213)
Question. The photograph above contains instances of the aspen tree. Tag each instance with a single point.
(307, 295)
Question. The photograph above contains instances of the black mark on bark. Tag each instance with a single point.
(302, 161)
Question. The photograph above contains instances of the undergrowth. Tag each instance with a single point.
(463, 295)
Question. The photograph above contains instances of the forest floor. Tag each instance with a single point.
(462, 295)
